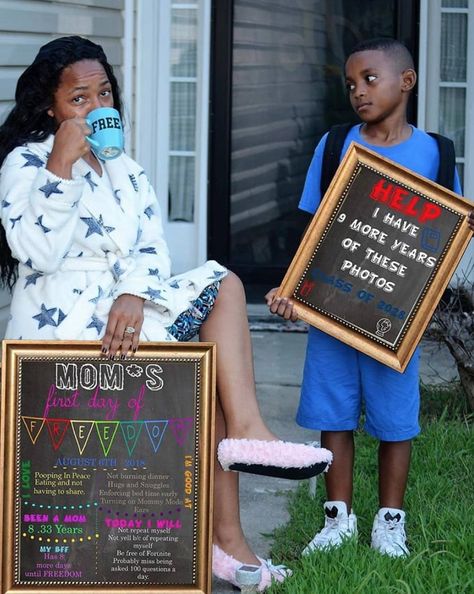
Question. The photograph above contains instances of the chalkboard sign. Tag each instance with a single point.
(377, 256)
(107, 468)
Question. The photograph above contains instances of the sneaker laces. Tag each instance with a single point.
(394, 531)
(392, 524)
(330, 525)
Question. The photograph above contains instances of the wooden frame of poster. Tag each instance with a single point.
(106, 468)
(377, 256)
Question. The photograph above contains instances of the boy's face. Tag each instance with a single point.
(378, 86)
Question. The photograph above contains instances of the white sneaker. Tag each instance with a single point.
(388, 532)
(338, 527)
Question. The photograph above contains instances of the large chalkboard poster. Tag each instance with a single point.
(107, 467)
(377, 256)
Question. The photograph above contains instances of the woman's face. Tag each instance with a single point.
(83, 86)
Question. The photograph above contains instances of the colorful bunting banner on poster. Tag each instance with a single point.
(107, 431)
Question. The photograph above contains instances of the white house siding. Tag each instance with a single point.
(26, 25)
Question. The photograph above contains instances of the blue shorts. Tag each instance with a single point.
(187, 324)
(338, 378)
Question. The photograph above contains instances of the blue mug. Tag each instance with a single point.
(106, 138)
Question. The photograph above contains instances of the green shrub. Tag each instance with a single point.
(448, 400)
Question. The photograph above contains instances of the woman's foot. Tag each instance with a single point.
(281, 459)
(227, 568)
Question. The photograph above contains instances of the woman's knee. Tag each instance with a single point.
(231, 286)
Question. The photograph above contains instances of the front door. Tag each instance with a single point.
(278, 85)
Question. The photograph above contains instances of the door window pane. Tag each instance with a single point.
(454, 3)
(452, 116)
(183, 42)
(181, 187)
(183, 116)
(453, 47)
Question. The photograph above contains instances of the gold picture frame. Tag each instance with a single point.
(106, 468)
(377, 256)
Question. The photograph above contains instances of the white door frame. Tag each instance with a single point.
(187, 241)
(428, 98)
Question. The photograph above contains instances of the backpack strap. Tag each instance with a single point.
(332, 153)
(447, 160)
(337, 136)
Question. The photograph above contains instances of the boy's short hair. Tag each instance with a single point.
(389, 45)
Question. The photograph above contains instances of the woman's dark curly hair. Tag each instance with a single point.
(29, 121)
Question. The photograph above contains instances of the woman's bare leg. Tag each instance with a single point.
(237, 412)
(228, 533)
(227, 325)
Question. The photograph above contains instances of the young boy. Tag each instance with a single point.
(380, 77)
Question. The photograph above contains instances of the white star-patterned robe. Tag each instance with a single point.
(83, 242)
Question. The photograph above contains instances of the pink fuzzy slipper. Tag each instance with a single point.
(281, 459)
(227, 568)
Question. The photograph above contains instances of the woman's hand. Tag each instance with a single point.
(281, 306)
(126, 312)
(69, 146)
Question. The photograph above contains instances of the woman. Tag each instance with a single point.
(83, 248)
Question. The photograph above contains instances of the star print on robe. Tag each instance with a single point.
(118, 200)
(15, 221)
(117, 271)
(90, 181)
(149, 211)
(5, 204)
(174, 285)
(95, 226)
(32, 160)
(99, 296)
(29, 263)
(32, 278)
(153, 272)
(97, 324)
(101, 223)
(216, 275)
(39, 222)
(154, 293)
(45, 317)
(51, 188)
(147, 250)
(61, 316)
(133, 180)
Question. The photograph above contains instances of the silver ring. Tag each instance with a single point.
(129, 330)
